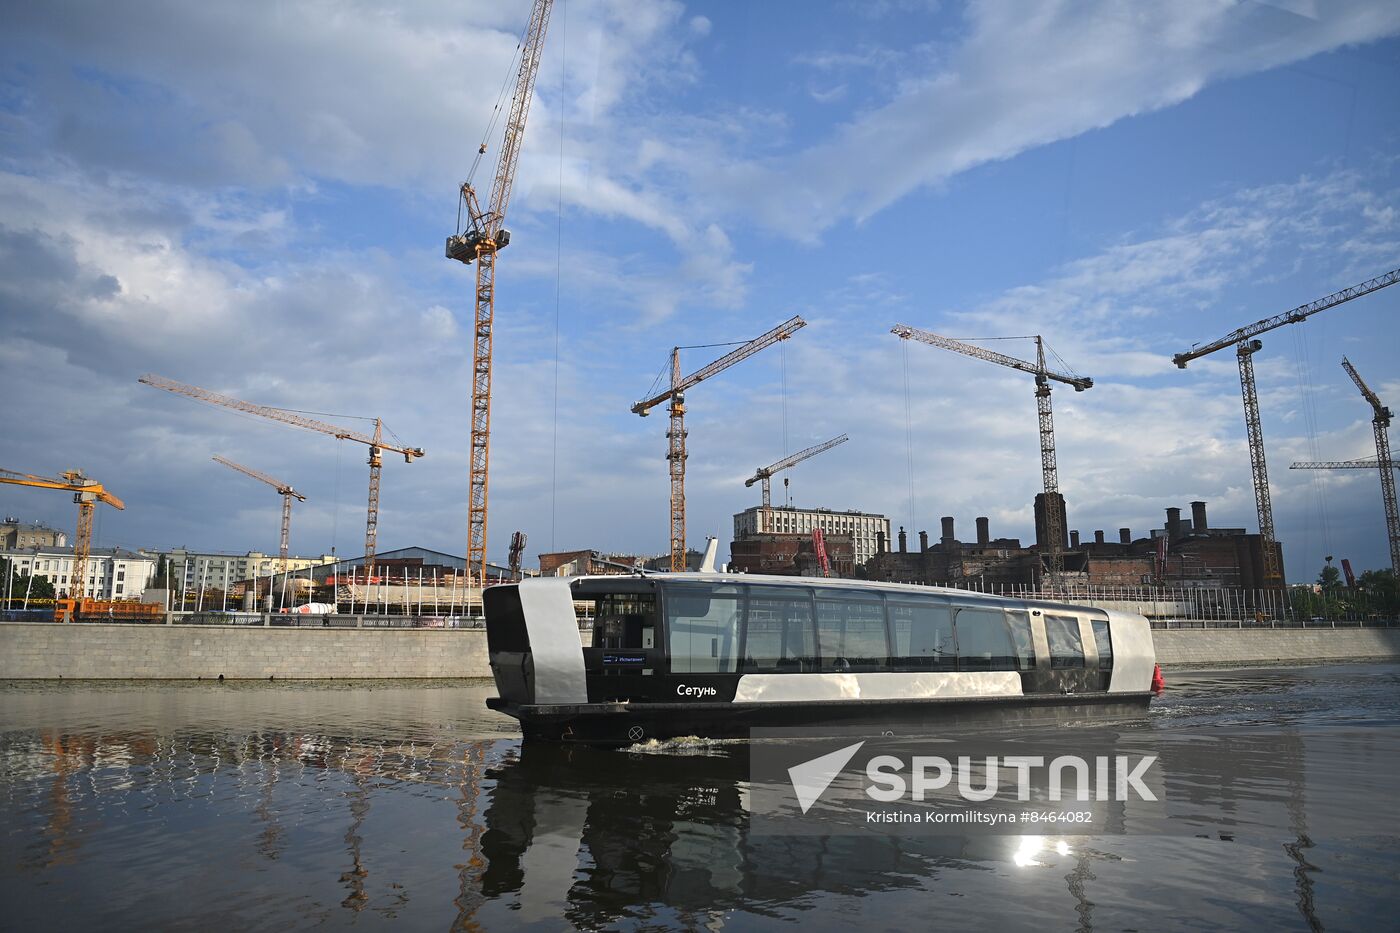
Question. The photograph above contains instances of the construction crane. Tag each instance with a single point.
(819, 549)
(375, 442)
(1245, 347)
(517, 549)
(87, 493)
(1054, 510)
(765, 474)
(286, 492)
(1337, 465)
(676, 453)
(478, 241)
(1384, 465)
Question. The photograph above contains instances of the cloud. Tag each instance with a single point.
(1017, 80)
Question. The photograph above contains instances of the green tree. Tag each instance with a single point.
(19, 585)
(1380, 592)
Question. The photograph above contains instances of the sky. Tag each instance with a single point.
(253, 198)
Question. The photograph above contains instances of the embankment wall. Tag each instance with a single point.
(99, 651)
(1194, 647)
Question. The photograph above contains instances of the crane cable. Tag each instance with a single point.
(1303, 376)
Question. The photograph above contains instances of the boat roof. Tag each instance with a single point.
(823, 582)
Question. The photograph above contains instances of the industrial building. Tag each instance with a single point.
(792, 555)
(862, 528)
(16, 535)
(112, 573)
(404, 563)
(1184, 552)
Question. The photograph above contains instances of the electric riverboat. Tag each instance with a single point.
(716, 655)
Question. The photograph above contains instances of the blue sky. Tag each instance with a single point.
(253, 198)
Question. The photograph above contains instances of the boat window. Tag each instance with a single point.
(624, 621)
(984, 640)
(1066, 648)
(851, 632)
(778, 632)
(703, 627)
(1105, 644)
(923, 637)
(1020, 622)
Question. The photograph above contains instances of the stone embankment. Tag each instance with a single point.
(103, 651)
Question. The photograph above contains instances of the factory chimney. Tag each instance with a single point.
(948, 536)
(1074, 539)
(1098, 537)
(879, 542)
(1198, 517)
(903, 541)
(1173, 523)
(923, 541)
(1125, 536)
(984, 534)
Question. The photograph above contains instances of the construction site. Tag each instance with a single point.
(1234, 571)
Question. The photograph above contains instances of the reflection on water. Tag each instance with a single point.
(268, 806)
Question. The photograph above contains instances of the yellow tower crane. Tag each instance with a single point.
(676, 453)
(765, 474)
(87, 493)
(286, 492)
(375, 443)
(1054, 536)
(1245, 347)
(478, 241)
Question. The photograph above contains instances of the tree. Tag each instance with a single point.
(18, 585)
(1331, 578)
(1380, 591)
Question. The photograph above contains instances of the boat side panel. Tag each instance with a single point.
(779, 688)
(1134, 655)
(557, 653)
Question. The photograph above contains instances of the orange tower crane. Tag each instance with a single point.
(676, 453)
(87, 493)
(375, 443)
(765, 474)
(286, 492)
(1384, 464)
(1245, 347)
(1054, 511)
(482, 237)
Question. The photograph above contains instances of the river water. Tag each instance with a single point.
(276, 806)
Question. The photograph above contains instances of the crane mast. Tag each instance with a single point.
(675, 435)
(1381, 425)
(764, 475)
(285, 491)
(1245, 348)
(375, 443)
(484, 236)
(1049, 471)
(87, 493)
